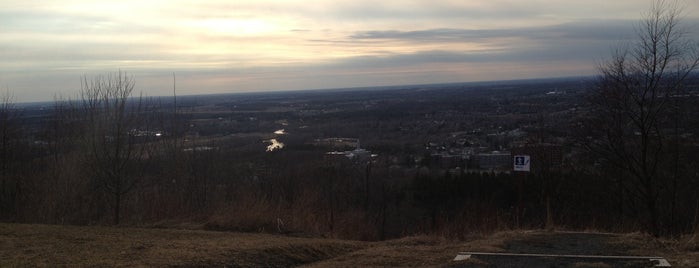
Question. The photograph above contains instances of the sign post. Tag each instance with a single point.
(521, 164)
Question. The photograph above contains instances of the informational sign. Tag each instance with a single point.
(522, 163)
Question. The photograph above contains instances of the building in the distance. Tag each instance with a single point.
(494, 160)
(358, 153)
(338, 143)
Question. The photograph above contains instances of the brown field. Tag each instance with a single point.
(51, 245)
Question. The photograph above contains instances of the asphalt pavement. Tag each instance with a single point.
(559, 249)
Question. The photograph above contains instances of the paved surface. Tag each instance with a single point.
(559, 243)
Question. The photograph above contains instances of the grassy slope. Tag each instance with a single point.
(50, 245)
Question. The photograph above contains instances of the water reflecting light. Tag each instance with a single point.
(276, 145)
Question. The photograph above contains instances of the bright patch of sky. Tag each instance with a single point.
(235, 46)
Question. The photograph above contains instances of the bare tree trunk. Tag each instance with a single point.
(632, 108)
(115, 121)
(117, 206)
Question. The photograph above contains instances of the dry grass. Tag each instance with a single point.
(50, 246)
(53, 245)
(681, 252)
(591, 265)
(418, 251)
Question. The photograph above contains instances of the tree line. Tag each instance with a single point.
(111, 157)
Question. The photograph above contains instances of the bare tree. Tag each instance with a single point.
(114, 133)
(632, 104)
(9, 131)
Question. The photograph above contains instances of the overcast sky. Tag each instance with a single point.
(234, 46)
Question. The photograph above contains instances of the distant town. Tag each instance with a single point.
(395, 160)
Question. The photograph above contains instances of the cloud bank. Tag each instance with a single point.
(229, 46)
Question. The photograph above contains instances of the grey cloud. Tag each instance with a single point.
(597, 30)
(433, 35)
(396, 60)
(575, 41)
(585, 30)
(545, 53)
(362, 11)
